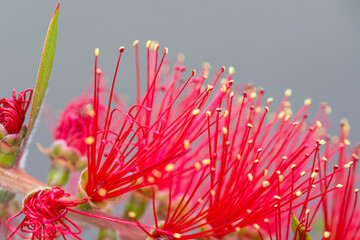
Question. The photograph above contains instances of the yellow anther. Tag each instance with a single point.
(281, 178)
(169, 167)
(206, 161)
(148, 43)
(186, 144)
(89, 140)
(253, 95)
(151, 179)
(302, 173)
(266, 172)
(256, 226)
(318, 123)
(196, 112)
(102, 192)
(339, 185)
(135, 43)
(231, 70)
(327, 234)
(212, 192)
(209, 87)
(270, 100)
(224, 130)
(132, 214)
(250, 177)
(307, 211)
(238, 157)
(298, 193)
(226, 113)
(197, 165)
(277, 197)
(177, 235)
(307, 102)
(313, 175)
(97, 52)
(208, 113)
(288, 92)
(265, 183)
(322, 142)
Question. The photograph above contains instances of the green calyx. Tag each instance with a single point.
(10, 146)
(64, 159)
(106, 234)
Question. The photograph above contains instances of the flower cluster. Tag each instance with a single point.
(208, 158)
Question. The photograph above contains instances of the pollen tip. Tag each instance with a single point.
(102, 192)
(288, 92)
(135, 43)
(169, 167)
(148, 43)
(206, 161)
(307, 102)
(265, 183)
(186, 144)
(166, 51)
(132, 214)
(89, 140)
(196, 112)
(270, 100)
(177, 235)
(97, 52)
(231, 70)
(121, 49)
(256, 226)
(327, 234)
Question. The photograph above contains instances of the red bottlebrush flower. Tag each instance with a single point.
(13, 110)
(45, 215)
(341, 210)
(252, 173)
(152, 137)
(74, 123)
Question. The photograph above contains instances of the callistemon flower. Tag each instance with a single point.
(249, 172)
(341, 210)
(45, 212)
(153, 135)
(12, 129)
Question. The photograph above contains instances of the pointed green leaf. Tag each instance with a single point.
(299, 231)
(43, 76)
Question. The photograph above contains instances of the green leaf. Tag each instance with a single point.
(42, 77)
(298, 231)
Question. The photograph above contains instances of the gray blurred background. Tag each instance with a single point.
(312, 47)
